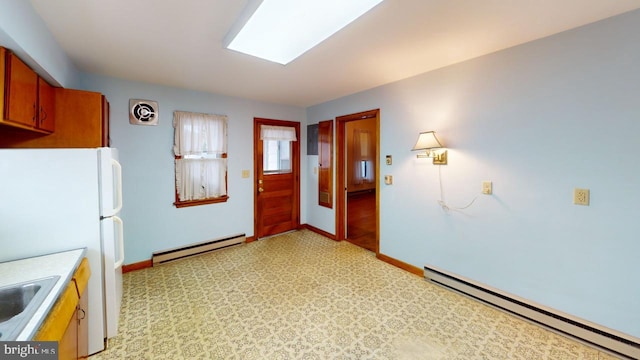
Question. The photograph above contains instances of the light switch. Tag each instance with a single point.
(487, 187)
(389, 160)
(388, 179)
(245, 174)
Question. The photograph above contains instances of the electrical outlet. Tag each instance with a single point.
(388, 179)
(487, 187)
(581, 196)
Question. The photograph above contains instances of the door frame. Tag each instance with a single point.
(341, 182)
(257, 165)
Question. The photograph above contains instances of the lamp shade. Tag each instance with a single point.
(426, 141)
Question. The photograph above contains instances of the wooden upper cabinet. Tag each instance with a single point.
(86, 119)
(27, 100)
(34, 114)
(21, 87)
(80, 122)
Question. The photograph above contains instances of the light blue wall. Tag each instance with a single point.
(152, 223)
(537, 120)
(23, 31)
(320, 217)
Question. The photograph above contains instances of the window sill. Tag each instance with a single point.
(181, 204)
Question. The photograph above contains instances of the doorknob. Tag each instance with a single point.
(260, 189)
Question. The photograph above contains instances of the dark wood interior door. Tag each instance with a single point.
(366, 222)
(277, 181)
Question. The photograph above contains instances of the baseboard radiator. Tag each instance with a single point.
(164, 256)
(580, 329)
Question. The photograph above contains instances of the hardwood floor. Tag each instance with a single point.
(361, 219)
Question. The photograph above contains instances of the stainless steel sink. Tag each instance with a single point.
(18, 303)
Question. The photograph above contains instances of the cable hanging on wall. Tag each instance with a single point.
(442, 203)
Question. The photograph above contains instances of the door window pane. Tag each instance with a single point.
(276, 156)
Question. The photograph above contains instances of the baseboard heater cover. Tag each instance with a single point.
(164, 256)
(600, 336)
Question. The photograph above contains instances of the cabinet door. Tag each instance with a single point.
(68, 345)
(46, 103)
(79, 114)
(81, 277)
(22, 91)
(83, 327)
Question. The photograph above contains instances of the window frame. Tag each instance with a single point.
(212, 200)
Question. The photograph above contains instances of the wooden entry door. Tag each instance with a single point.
(277, 180)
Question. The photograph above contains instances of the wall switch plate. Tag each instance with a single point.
(487, 187)
(581, 196)
(388, 179)
(389, 160)
(245, 174)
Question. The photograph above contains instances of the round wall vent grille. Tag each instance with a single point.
(143, 112)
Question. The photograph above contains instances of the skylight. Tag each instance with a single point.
(282, 30)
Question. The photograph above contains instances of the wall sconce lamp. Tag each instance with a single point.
(433, 148)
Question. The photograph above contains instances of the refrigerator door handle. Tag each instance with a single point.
(118, 186)
(120, 242)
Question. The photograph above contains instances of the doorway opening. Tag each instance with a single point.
(358, 198)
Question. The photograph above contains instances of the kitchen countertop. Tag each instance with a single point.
(62, 264)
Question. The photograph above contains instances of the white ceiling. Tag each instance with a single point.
(179, 43)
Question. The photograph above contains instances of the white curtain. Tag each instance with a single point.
(198, 134)
(201, 142)
(279, 133)
(362, 162)
(200, 178)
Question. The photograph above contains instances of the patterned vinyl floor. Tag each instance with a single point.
(303, 296)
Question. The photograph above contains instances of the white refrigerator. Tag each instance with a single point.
(53, 200)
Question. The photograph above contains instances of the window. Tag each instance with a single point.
(363, 157)
(276, 147)
(200, 148)
(276, 156)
